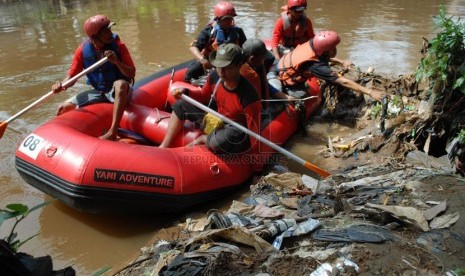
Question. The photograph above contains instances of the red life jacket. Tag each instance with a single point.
(294, 33)
(289, 65)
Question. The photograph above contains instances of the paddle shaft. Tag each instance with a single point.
(169, 89)
(323, 173)
(49, 94)
(289, 100)
(171, 79)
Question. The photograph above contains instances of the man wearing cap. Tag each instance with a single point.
(232, 95)
(221, 30)
(256, 54)
(111, 82)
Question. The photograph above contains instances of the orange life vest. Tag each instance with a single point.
(294, 33)
(289, 65)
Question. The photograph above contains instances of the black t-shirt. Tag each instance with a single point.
(320, 69)
(203, 39)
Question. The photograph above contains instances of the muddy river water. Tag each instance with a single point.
(37, 39)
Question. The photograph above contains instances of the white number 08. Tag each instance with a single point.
(32, 145)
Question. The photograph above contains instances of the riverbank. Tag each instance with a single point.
(400, 218)
(388, 207)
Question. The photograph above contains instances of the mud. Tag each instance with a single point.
(411, 252)
(393, 173)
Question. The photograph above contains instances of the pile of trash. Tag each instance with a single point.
(372, 219)
(392, 208)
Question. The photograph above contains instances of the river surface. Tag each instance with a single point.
(37, 39)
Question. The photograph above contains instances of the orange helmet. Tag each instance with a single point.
(94, 24)
(296, 3)
(224, 8)
(325, 41)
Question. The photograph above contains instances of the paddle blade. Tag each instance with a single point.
(3, 126)
(321, 172)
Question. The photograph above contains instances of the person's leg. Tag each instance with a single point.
(182, 110)
(202, 139)
(82, 99)
(228, 140)
(194, 71)
(65, 107)
(174, 126)
(122, 91)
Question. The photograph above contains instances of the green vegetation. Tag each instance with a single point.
(443, 69)
(18, 212)
(462, 136)
(444, 62)
(376, 110)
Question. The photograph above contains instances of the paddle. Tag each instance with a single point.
(289, 100)
(169, 89)
(4, 124)
(323, 173)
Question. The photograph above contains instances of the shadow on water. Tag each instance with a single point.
(116, 236)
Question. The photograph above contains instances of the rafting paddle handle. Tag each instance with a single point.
(4, 124)
(323, 173)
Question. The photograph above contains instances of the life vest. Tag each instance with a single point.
(218, 37)
(102, 78)
(289, 65)
(294, 34)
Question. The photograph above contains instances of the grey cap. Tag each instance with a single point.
(225, 55)
(256, 47)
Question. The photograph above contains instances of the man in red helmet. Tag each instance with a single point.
(292, 28)
(111, 82)
(312, 59)
(220, 31)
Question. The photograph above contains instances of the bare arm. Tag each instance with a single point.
(128, 71)
(345, 63)
(276, 53)
(195, 51)
(198, 55)
(375, 94)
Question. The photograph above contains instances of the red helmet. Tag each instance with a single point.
(224, 8)
(296, 3)
(94, 24)
(325, 41)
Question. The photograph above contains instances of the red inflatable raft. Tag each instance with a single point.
(65, 158)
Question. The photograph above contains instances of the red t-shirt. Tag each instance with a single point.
(278, 33)
(241, 105)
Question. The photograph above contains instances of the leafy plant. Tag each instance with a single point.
(376, 110)
(444, 62)
(18, 212)
(102, 271)
(462, 137)
(459, 271)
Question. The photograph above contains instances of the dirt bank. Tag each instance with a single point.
(388, 207)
